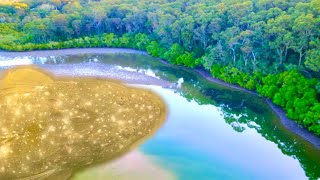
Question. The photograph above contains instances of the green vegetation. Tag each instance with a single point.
(264, 45)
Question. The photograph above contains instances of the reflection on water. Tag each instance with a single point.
(212, 131)
(53, 127)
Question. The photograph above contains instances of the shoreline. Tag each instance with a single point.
(99, 70)
(71, 51)
(134, 164)
(291, 125)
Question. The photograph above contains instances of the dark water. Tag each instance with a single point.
(212, 132)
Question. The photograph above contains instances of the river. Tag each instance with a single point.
(212, 131)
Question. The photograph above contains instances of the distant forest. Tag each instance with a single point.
(270, 46)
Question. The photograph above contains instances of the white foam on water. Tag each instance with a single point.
(179, 82)
(147, 72)
(126, 68)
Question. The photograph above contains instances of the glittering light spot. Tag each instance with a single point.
(63, 123)
(5, 150)
(113, 119)
(88, 103)
(66, 120)
(18, 112)
(52, 129)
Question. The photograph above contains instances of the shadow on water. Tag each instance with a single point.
(242, 110)
(239, 109)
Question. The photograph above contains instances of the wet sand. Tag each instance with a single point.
(75, 51)
(100, 70)
(134, 165)
(137, 78)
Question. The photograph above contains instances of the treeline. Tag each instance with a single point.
(265, 35)
(264, 45)
(289, 89)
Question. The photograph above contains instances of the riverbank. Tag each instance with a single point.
(71, 51)
(134, 77)
(99, 70)
(286, 122)
(93, 68)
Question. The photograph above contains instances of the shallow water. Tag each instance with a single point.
(212, 132)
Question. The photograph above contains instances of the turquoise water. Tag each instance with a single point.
(212, 132)
(196, 143)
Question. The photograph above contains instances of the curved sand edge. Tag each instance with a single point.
(134, 165)
(286, 122)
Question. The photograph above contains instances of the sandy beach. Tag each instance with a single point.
(133, 77)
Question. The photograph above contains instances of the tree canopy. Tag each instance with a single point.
(271, 46)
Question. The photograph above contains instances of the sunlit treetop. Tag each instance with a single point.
(15, 3)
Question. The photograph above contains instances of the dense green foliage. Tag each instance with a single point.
(290, 90)
(266, 35)
(264, 45)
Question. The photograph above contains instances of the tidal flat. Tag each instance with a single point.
(52, 127)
